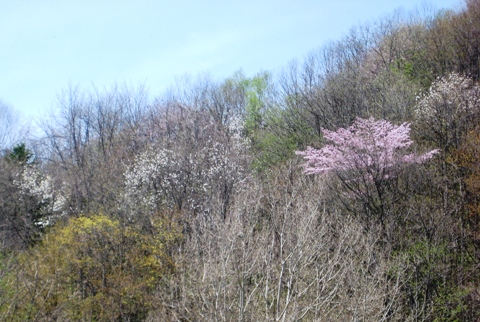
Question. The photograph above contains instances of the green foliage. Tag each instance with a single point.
(256, 104)
(423, 265)
(273, 133)
(451, 306)
(21, 154)
(432, 288)
(282, 134)
(92, 268)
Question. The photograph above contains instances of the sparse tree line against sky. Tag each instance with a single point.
(345, 188)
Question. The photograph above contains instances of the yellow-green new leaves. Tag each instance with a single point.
(92, 268)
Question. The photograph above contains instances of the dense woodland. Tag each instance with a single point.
(214, 202)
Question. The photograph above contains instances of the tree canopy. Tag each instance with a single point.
(342, 188)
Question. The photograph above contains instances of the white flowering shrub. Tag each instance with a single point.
(448, 110)
(184, 178)
(453, 92)
(48, 203)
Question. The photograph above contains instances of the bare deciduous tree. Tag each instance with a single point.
(9, 127)
(281, 256)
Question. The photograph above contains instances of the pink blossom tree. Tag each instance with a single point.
(376, 146)
(367, 157)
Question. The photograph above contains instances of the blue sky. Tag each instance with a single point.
(47, 45)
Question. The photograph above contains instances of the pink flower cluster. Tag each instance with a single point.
(377, 146)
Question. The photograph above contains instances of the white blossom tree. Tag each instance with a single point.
(186, 177)
(39, 188)
(448, 110)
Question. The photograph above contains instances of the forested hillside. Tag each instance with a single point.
(345, 187)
